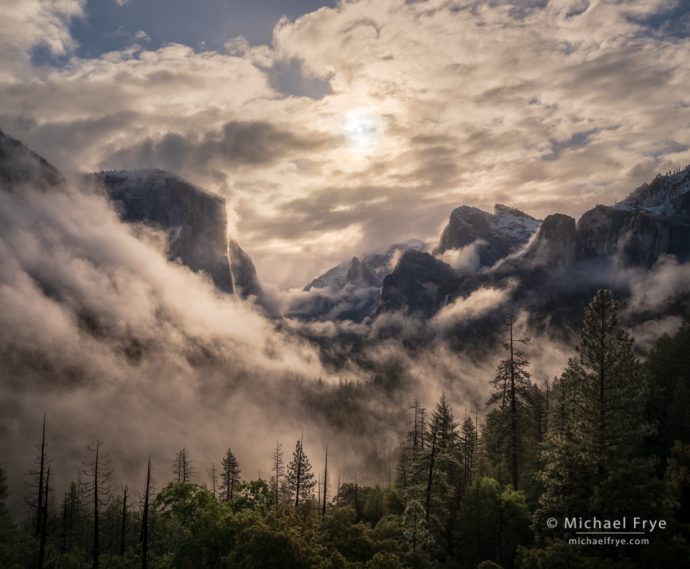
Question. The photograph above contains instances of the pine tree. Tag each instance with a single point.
(278, 469)
(144, 538)
(325, 485)
(182, 468)
(592, 459)
(44, 522)
(97, 488)
(411, 472)
(42, 462)
(511, 391)
(214, 481)
(123, 521)
(443, 502)
(300, 478)
(230, 477)
(469, 442)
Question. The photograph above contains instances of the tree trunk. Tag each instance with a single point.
(123, 524)
(39, 501)
(145, 520)
(44, 521)
(96, 545)
(325, 485)
(430, 479)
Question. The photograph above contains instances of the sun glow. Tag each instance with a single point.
(362, 130)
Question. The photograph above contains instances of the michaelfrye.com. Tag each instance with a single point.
(627, 530)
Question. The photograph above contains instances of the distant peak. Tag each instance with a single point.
(142, 173)
(503, 210)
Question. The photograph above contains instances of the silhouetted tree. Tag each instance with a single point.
(97, 488)
(144, 538)
(511, 391)
(182, 468)
(230, 476)
(278, 469)
(300, 479)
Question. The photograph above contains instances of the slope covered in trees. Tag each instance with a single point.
(609, 440)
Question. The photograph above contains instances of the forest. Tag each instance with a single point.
(609, 439)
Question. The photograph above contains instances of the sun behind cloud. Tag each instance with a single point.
(363, 130)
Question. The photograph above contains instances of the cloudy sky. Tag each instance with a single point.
(334, 128)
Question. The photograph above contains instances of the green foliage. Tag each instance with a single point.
(274, 542)
(592, 461)
(254, 495)
(677, 482)
(15, 546)
(193, 524)
(492, 524)
(230, 480)
(300, 478)
(384, 561)
(668, 370)
(596, 452)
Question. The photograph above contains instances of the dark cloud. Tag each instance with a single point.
(290, 78)
(237, 143)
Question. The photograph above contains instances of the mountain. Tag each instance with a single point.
(244, 276)
(350, 290)
(19, 166)
(498, 234)
(194, 220)
(565, 262)
(369, 271)
(652, 221)
(420, 283)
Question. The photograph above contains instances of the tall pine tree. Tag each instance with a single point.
(230, 477)
(300, 479)
(592, 458)
(511, 392)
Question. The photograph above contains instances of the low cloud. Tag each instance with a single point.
(477, 304)
(465, 259)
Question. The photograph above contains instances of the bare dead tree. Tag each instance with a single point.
(144, 538)
(97, 488)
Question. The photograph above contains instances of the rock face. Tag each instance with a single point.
(21, 166)
(194, 220)
(420, 284)
(563, 265)
(370, 270)
(351, 290)
(245, 279)
(501, 233)
(652, 221)
(555, 244)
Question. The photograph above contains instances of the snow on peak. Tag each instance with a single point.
(662, 196)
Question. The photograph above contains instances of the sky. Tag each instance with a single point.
(337, 128)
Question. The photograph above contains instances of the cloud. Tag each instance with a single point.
(658, 289)
(544, 106)
(466, 259)
(236, 143)
(477, 304)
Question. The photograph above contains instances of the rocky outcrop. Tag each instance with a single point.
(555, 244)
(360, 274)
(193, 219)
(370, 270)
(245, 279)
(420, 283)
(351, 290)
(20, 167)
(636, 236)
(499, 234)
